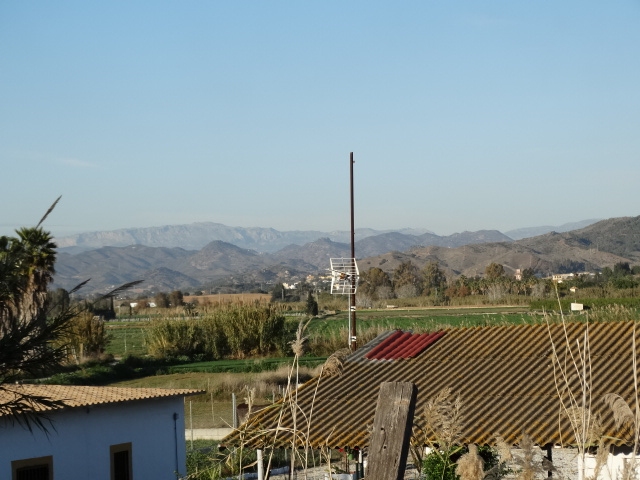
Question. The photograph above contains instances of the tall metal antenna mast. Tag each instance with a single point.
(345, 275)
(352, 297)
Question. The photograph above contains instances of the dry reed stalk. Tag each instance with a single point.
(333, 365)
(601, 458)
(629, 471)
(439, 426)
(571, 365)
(622, 413)
(503, 449)
(470, 465)
(443, 419)
(526, 463)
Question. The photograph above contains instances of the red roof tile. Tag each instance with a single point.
(403, 345)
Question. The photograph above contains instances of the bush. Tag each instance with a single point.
(235, 331)
(442, 465)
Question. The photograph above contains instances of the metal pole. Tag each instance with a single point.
(352, 297)
(260, 465)
(191, 423)
(234, 413)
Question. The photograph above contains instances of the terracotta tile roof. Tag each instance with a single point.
(79, 396)
(505, 376)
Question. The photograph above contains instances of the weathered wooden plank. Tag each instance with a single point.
(391, 434)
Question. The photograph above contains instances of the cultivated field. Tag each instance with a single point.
(219, 379)
(226, 298)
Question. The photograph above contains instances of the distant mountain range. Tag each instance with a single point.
(527, 232)
(168, 268)
(196, 235)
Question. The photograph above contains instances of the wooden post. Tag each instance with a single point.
(391, 434)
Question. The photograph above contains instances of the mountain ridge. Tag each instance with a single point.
(602, 244)
(194, 236)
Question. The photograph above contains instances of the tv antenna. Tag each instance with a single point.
(344, 273)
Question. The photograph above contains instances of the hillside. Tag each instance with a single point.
(599, 245)
(592, 248)
(528, 232)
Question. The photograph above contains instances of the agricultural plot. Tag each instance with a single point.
(127, 338)
(425, 319)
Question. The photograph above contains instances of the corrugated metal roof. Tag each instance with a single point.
(80, 396)
(402, 345)
(505, 376)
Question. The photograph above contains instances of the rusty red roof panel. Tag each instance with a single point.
(403, 345)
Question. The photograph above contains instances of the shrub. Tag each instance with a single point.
(231, 331)
(442, 465)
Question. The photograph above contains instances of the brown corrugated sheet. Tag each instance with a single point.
(79, 396)
(505, 376)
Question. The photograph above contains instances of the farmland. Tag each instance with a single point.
(128, 337)
(220, 378)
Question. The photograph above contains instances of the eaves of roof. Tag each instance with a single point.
(82, 396)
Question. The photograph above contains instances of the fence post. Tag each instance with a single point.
(391, 434)
(234, 408)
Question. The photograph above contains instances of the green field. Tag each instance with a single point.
(425, 319)
(244, 366)
(127, 338)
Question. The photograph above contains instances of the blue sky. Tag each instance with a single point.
(461, 115)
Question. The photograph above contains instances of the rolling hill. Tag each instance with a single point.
(591, 248)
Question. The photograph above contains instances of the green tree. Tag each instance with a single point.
(372, 280)
(433, 279)
(32, 335)
(312, 305)
(26, 265)
(27, 337)
(494, 271)
(607, 273)
(278, 293)
(176, 298)
(406, 274)
(58, 301)
(87, 336)
(621, 269)
(161, 300)
(528, 274)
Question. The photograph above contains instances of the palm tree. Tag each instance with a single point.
(33, 338)
(39, 256)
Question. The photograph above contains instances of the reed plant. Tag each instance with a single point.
(235, 331)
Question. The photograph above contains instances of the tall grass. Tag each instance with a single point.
(234, 331)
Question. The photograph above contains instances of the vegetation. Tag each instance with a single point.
(30, 340)
(235, 331)
(39, 331)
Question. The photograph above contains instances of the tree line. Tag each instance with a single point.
(407, 281)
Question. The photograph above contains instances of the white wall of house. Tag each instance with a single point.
(614, 467)
(82, 437)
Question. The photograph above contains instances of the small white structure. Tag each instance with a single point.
(614, 468)
(577, 307)
(100, 432)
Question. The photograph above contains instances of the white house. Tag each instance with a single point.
(100, 433)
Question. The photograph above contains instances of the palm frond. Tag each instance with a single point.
(27, 410)
(49, 211)
(79, 286)
(120, 289)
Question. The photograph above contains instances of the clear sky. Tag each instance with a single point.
(461, 115)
